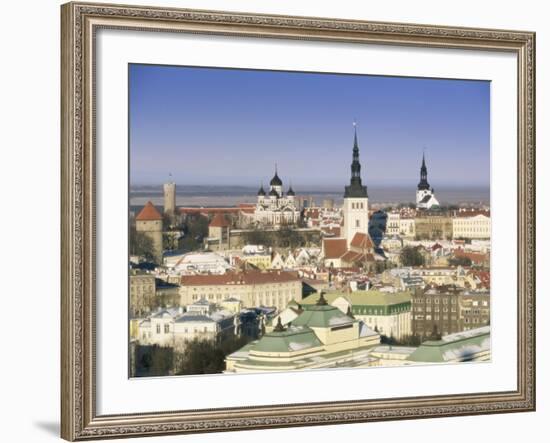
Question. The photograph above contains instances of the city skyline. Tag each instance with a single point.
(189, 116)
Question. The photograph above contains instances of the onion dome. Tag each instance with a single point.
(261, 191)
(276, 181)
(274, 193)
(290, 191)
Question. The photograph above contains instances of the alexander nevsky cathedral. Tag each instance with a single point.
(275, 208)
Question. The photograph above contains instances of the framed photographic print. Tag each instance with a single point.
(286, 221)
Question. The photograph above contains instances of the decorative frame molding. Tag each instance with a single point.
(79, 420)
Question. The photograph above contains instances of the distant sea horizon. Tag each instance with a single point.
(231, 195)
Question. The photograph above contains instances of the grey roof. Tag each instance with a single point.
(426, 199)
(201, 302)
(194, 318)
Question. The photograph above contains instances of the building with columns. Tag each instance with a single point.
(356, 200)
(425, 196)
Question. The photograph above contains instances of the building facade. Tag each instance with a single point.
(470, 225)
(434, 225)
(449, 309)
(252, 288)
(142, 293)
(174, 327)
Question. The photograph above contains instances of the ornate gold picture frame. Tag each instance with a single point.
(80, 22)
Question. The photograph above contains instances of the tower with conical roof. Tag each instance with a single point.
(425, 196)
(356, 199)
(149, 223)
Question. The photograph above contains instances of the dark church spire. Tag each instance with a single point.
(423, 184)
(355, 188)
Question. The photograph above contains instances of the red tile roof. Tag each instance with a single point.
(149, 213)
(219, 221)
(357, 257)
(334, 247)
(361, 240)
(472, 213)
(475, 257)
(241, 278)
(209, 210)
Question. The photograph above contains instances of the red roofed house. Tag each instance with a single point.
(332, 250)
(149, 222)
(360, 252)
(218, 232)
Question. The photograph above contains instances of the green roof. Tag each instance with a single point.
(362, 298)
(462, 346)
(322, 316)
(291, 339)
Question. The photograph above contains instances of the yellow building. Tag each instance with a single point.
(260, 261)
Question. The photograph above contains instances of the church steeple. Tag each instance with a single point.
(355, 188)
(423, 184)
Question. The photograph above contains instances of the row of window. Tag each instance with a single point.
(436, 309)
(444, 301)
(435, 317)
(167, 330)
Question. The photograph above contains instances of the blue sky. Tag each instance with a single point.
(230, 126)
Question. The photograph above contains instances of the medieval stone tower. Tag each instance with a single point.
(149, 222)
(170, 198)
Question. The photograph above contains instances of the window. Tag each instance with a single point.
(158, 329)
(357, 223)
(166, 328)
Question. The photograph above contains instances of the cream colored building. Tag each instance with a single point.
(389, 313)
(252, 288)
(476, 226)
(407, 227)
(149, 222)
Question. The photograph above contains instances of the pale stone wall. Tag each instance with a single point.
(356, 217)
(170, 198)
(153, 229)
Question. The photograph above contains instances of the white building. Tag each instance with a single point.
(425, 196)
(275, 208)
(173, 327)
